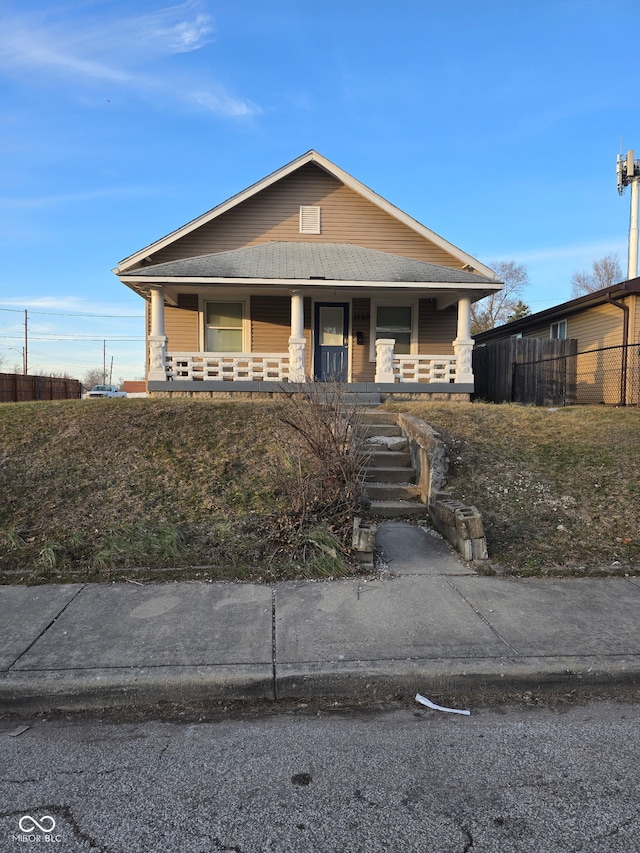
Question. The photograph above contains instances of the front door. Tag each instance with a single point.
(331, 341)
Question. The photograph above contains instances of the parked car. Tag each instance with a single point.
(99, 391)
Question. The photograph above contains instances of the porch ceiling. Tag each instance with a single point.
(306, 263)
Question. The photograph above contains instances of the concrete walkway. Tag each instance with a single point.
(426, 623)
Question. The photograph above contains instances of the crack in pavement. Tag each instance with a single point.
(67, 815)
(274, 682)
(46, 628)
(484, 618)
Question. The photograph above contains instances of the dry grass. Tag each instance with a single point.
(558, 489)
(95, 489)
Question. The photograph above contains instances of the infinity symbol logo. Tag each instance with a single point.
(45, 824)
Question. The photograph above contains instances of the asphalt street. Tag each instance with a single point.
(534, 779)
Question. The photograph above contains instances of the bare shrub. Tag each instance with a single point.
(326, 456)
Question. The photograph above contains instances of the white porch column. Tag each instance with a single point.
(463, 344)
(297, 343)
(297, 314)
(157, 337)
(384, 360)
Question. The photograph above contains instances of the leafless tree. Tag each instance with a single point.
(604, 272)
(92, 377)
(499, 307)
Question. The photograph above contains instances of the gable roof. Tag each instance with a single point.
(301, 262)
(311, 156)
(564, 309)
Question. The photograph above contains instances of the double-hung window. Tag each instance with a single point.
(558, 330)
(394, 322)
(224, 326)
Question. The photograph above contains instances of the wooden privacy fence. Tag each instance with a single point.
(18, 388)
(548, 381)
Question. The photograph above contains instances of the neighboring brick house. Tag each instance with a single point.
(135, 387)
(307, 274)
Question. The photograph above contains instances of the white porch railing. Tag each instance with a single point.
(276, 367)
(238, 367)
(424, 368)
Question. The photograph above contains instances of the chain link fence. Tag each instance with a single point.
(607, 376)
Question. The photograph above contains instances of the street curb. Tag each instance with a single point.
(30, 692)
(82, 690)
(377, 679)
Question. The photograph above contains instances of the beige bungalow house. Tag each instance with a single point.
(307, 274)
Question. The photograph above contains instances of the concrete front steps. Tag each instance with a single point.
(390, 475)
(360, 398)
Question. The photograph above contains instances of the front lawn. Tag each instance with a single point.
(558, 489)
(93, 489)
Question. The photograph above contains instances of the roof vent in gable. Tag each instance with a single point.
(309, 219)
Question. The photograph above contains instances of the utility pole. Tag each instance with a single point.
(628, 170)
(25, 362)
(104, 361)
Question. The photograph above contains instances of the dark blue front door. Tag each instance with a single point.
(331, 341)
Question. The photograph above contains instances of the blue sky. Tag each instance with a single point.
(495, 124)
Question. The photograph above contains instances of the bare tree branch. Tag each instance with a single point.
(497, 308)
(604, 272)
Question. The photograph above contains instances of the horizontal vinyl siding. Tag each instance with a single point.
(595, 327)
(181, 329)
(362, 369)
(436, 329)
(273, 214)
(598, 327)
(541, 331)
(270, 323)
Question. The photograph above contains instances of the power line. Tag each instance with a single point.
(58, 357)
(69, 314)
(70, 338)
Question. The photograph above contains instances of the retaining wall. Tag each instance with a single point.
(459, 523)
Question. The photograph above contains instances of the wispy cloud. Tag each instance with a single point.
(217, 100)
(67, 306)
(44, 201)
(125, 51)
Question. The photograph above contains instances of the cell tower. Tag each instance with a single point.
(628, 171)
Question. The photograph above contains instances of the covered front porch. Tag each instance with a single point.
(383, 343)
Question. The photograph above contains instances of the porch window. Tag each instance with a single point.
(224, 321)
(394, 321)
(559, 330)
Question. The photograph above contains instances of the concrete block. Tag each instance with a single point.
(363, 540)
(461, 525)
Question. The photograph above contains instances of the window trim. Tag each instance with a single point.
(246, 323)
(557, 325)
(389, 302)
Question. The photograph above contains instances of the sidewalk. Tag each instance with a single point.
(426, 624)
